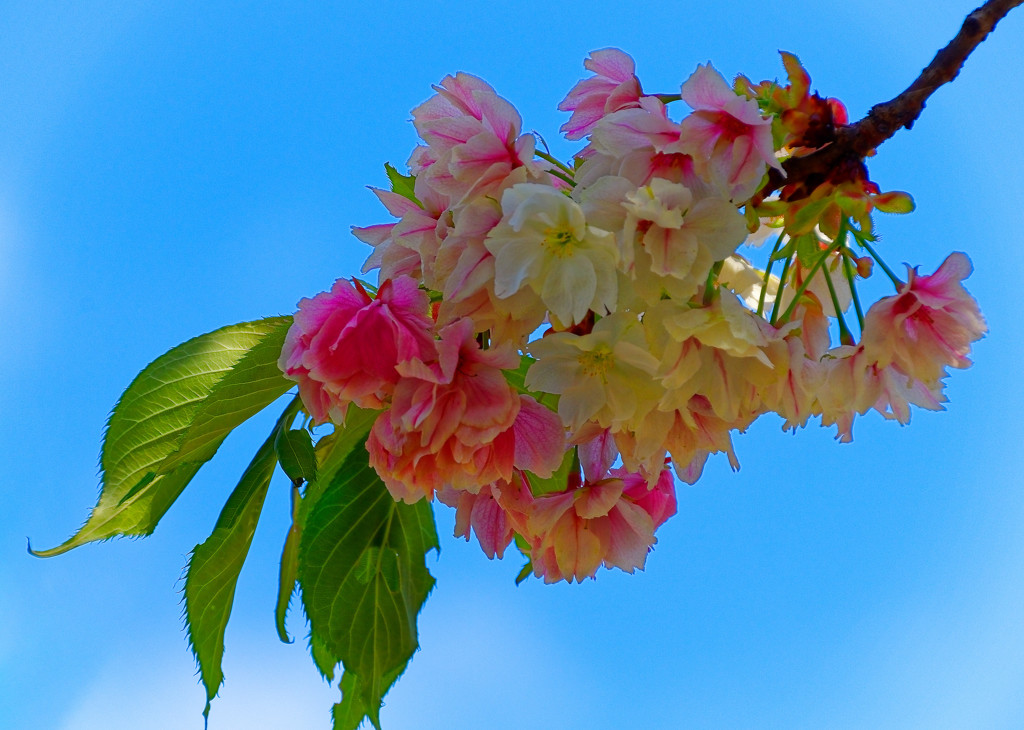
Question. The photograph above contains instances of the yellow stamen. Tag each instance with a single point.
(597, 362)
(560, 240)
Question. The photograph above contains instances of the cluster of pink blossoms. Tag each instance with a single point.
(615, 287)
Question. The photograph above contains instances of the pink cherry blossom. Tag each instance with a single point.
(409, 246)
(580, 529)
(680, 237)
(791, 387)
(473, 138)
(450, 421)
(929, 324)
(728, 131)
(613, 86)
(658, 501)
(345, 346)
(689, 434)
(464, 269)
(540, 438)
(854, 384)
(483, 514)
(610, 521)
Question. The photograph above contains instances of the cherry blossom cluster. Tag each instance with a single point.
(547, 343)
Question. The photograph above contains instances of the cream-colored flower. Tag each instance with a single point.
(543, 242)
(606, 376)
(711, 351)
(747, 281)
(668, 234)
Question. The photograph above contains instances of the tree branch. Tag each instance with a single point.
(854, 141)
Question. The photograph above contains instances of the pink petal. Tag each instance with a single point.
(540, 438)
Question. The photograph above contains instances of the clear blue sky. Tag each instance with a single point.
(170, 167)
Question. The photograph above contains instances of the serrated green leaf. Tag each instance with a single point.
(802, 217)
(214, 566)
(808, 250)
(296, 454)
(171, 420)
(332, 451)
(404, 185)
(246, 389)
(352, 710)
(363, 577)
(289, 573)
(328, 454)
(324, 660)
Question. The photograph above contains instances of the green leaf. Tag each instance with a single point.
(808, 250)
(517, 379)
(333, 450)
(524, 547)
(295, 452)
(525, 573)
(350, 712)
(349, 715)
(250, 386)
(404, 185)
(785, 251)
(803, 216)
(329, 454)
(558, 481)
(324, 660)
(213, 567)
(363, 577)
(289, 573)
(172, 419)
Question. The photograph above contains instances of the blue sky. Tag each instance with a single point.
(168, 168)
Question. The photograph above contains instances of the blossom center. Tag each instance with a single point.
(597, 362)
(729, 127)
(560, 241)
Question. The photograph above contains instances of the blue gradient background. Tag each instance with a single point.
(168, 168)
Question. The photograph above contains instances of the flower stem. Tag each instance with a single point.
(848, 270)
(782, 288)
(554, 161)
(874, 254)
(845, 336)
(709, 287)
(803, 287)
(768, 275)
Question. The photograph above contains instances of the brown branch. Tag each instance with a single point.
(855, 141)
